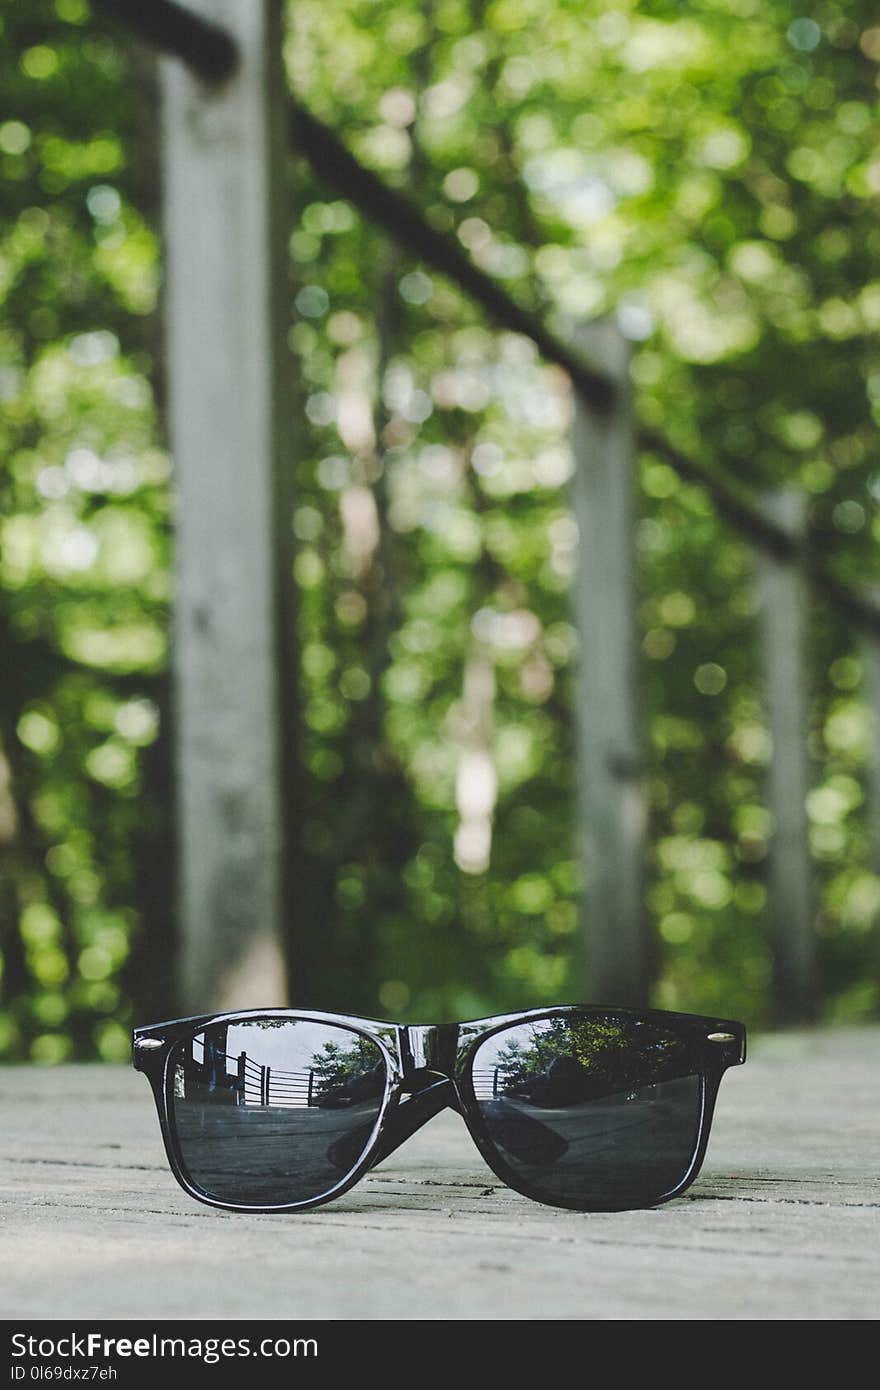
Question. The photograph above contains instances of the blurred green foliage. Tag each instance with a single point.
(711, 172)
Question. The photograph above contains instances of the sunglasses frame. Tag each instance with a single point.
(429, 1069)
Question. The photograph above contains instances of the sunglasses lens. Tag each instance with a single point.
(272, 1111)
(600, 1112)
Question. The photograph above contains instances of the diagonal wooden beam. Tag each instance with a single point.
(211, 52)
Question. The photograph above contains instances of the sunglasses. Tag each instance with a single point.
(593, 1109)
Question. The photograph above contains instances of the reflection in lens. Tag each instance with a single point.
(599, 1111)
(271, 1111)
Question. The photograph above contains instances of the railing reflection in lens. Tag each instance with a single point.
(275, 1111)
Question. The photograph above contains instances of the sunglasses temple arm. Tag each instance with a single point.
(402, 1122)
(524, 1135)
(405, 1119)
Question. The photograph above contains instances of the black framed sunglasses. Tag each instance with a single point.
(595, 1109)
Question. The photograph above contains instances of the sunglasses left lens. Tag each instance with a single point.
(271, 1111)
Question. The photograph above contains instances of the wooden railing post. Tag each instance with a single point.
(226, 306)
(871, 687)
(870, 654)
(790, 895)
(241, 1078)
(610, 793)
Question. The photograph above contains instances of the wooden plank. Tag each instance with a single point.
(790, 895)
(226, 309)
(611, 799)
(783, 1223)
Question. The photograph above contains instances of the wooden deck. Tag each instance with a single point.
(784, 1222)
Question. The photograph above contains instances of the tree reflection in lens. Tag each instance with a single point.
(601, 1111)
(265, 1108)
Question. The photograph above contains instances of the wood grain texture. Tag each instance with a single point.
(611, 795)
(871, 693)
(227, 307)
(791, 906)
(784, 1222)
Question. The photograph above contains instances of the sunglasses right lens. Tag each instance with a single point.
(600, 1112)
(273, 1111)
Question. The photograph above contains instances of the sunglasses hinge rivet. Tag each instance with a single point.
(721, 1037)
(149, 1043)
